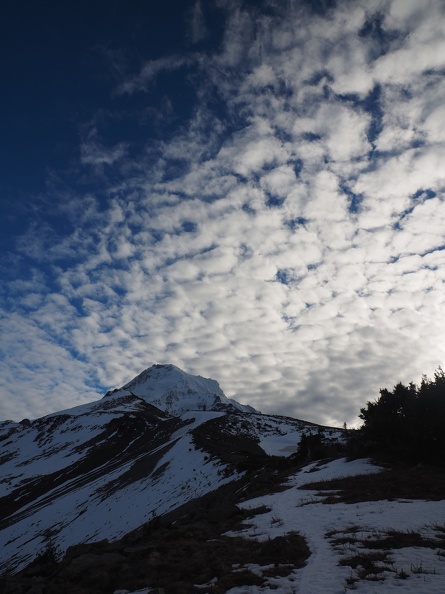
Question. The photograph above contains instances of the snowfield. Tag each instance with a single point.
(416, 570)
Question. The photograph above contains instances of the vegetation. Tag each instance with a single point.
(399, 482)
(406, 423)
(170, 557)
(370, 554)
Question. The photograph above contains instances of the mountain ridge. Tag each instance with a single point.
(119, 496)
(102, 469)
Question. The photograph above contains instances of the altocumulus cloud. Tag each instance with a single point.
(286, 239)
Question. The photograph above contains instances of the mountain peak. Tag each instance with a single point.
(174, 391)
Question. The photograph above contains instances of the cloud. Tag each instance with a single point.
(92, 152)
(286, 239)
(198, 29)
(142, 81)
(38, 374)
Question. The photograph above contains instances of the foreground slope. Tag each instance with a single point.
(101, 470)
(293, 532)
(379, 541)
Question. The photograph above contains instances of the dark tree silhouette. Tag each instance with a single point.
(408, 422)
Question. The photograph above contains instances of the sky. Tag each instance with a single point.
(250, 190)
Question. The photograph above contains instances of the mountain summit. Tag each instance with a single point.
(118, 496)
(176, 392)
(104, 469)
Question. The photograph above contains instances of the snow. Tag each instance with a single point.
(169, 388)
(86, 514)
(302, 511)
(34, 452)
(100, 503)
(84, 509)
(336, 469)
(281, 445)
(198, 417)
(95, 505)
(280, 436)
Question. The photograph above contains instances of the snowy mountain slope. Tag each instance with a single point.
(252, 437)
(117, 468)
(134, 467)
(102, 469)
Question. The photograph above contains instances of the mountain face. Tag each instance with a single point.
(101, 470)
(169, 388)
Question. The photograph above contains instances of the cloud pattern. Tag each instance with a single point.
(287, 240)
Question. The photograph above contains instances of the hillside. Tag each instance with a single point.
(102, 469)
(165, 485)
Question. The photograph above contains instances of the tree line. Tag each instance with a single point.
(406, 423)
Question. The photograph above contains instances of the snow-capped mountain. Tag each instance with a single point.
(105, 468)
(170, 389)
(165, 485)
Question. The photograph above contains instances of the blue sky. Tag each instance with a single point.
(252, 191)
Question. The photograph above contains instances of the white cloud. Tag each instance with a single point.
(38, 375)
(423, 47)
(279, 181)
(294, 260)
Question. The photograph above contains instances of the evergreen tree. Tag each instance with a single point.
(408, 422)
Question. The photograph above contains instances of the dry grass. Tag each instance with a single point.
(369, 565)
(396, 483)
(370, 555)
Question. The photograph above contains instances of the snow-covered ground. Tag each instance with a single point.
(81, 509)
(411, 570)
